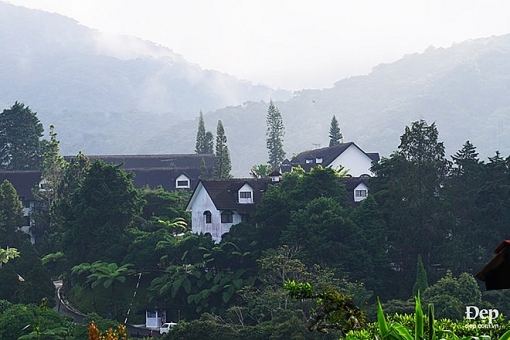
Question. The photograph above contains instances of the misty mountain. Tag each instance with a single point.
(464, 89)
(122, 95)
(100, 90)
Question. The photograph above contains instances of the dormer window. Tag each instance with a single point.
(182, 182)
(318, 160)
(308, 161)
(245, 195)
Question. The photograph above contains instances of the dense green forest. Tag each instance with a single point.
(428, 225)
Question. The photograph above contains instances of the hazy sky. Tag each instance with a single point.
(291, 44)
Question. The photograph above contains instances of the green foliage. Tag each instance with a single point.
(417, 326)
(421, 278)
(34, 322)
(11, 217)
(204, 142)
(222, 165)
(450, 295)
(274, 133)
(413, 212)
(99, 214)
(20, 138)
(261, 170)
(7, 254)
(335, 136)
(333, 310)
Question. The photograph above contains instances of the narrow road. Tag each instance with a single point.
(63, 306)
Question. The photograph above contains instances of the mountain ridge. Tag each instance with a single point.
(122, 95)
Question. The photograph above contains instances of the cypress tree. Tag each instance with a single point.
(204, 143)
(421, 278)
(335, 136)
(275, 132)
(222, 165)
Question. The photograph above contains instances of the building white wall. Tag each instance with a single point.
(202, 203)
(355, 160)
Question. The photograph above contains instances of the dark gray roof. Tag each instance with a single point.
(23, 181)
(170, 161)
(328, 155)
(224, 193)
(149, 170)
(163, 177)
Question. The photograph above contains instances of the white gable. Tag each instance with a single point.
(354, 160)
(245, 194)
(182, 182)
(360, 192)
(206, 218)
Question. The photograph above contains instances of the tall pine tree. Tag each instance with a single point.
(335, 136)
(275, 132)
(204, 144)
(222, 165)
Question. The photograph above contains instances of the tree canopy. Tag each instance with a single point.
(275, 133)
(20, 138)
(222, 165)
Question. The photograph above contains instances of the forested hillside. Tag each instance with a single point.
(463, 89)
(101, 91)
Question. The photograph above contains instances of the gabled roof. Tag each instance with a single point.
(23, 181)
(224, 193)
(164, 177)
(328, 155)
(169, 161)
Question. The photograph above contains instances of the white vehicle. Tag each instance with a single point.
(167, 326)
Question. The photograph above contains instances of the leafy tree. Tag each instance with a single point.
(52, 170)
(297, 189)
(335, 136)
(334, 310)
(450, 295)
(20, 138)
(72, 178)
(204, 144)
(11, 216)
(222, 165)
(100, 211)
(407, 187)
(377, 273)
(261, 170)
(107, 274)
(31, 321)
(275, 132)
(35, 280)
(461, 191)
(7, 254)
(162, 204)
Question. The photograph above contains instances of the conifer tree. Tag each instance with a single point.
(335, 136)
(204, 144)
(222, 165)
(275, 132)
(421, 278)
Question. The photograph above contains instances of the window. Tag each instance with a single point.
(245, 194)
(181, 184)
(227, 217)
(360, 193)
(207, 216)
(308, 161)
(318, 160)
